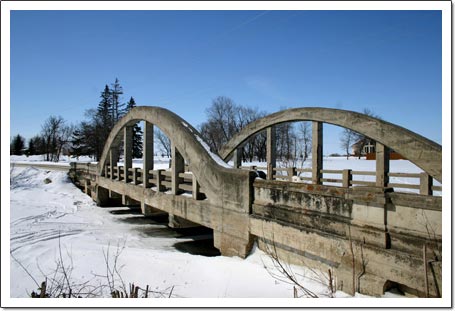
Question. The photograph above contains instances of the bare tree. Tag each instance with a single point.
(304, 134)
(347, 139)
(221, 122)
(225, 119)
(56, 135)
(164, 143)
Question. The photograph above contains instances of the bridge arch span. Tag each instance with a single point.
(211, 172)
(421, 151)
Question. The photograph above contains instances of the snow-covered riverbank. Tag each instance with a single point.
(52, 221)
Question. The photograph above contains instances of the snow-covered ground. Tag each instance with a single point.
(51, 221)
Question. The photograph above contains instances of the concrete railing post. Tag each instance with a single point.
(196, 189)
(135, 173)
(119, 172)
(178, 166)
(347, 178)
(107, 171)
(316, 153)
(85, 186)
(147, 154)
(113, 159)
(271, 151)
(426, 184)
(291, 172)
(382, 165)
(238, 157)
(159, 180)
(127, 151)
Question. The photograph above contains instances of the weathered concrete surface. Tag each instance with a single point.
(423, 152)
(309, 224)
(314, 225)
(214, 178)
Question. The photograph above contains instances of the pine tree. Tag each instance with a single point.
(117, 108)
(78, 146)
(17, 145)
(137, 132)
(104, 107)
(36, 145)
(104, 118)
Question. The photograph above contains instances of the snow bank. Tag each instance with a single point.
(46, 215)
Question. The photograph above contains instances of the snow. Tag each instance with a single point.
(47, 219)
(214, 156)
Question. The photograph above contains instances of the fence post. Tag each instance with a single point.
(426, 184)
(347, 178)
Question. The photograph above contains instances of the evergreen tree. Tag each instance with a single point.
(36, 145)
(104, 119)
(137, 132)
(17, 145)
(31, 148)
(117, 108)
(78, 146)
(105, 107)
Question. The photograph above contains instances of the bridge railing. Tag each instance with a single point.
(421, 183)
(159, 180)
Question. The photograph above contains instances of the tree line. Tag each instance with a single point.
(87, 137)
(225, 118)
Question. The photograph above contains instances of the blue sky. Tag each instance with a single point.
(385, 61)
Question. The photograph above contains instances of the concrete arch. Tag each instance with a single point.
(214, 177)
(421, 151)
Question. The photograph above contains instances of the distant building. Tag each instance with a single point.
(363, 147)
(366, 147)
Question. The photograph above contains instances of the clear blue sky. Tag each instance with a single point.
(386, 61)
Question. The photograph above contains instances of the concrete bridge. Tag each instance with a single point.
(370, 236)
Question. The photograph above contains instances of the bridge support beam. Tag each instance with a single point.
(127, 152)
(271, 152)
(102, 196)
(232, 245)
(147, 153)
(180, 222)
(316, 153)
(177, 167)
(382, 165)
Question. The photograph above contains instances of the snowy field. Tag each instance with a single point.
(53, 223)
